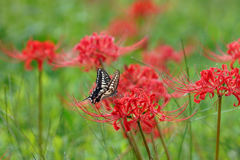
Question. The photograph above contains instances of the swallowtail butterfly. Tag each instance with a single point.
(106, 86)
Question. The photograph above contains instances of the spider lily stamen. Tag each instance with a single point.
(133, 107)
(212, 81)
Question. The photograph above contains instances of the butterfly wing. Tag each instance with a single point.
(102, 78)
(112, 86)
(102, 82)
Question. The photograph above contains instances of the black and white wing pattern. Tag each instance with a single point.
(105, 86)
(112, 86)
(102, 78)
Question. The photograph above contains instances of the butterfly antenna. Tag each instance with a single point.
(85, 99)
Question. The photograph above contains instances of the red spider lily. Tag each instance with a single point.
(92, 50)
(143, 8)
(213, 81)
(35, 50)
(233, 54)
(133, 107)
(120, 27)
(160, 56)
(136, 76)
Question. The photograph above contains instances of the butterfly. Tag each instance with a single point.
(106, 86)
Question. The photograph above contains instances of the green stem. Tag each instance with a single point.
(6, 107)
(40, 113)
(145, 141)
(132, 143)
(124, 153)
(154, 145)
(218, 127)
(190, 135)
(190, 106)
(139, 155)
(163, 142)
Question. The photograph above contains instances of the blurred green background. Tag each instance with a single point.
(66, 134)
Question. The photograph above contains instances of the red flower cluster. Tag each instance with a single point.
(233, 54)
(120, 27)
(92, 50)
(143, 8)
(133, 107)
(212, 81)
(136, 76)
(159, 57)
(35, 50)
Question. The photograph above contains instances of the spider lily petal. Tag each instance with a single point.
(220, 81)
(34, 50)
(133, 107)
(92, 50)
(232, 54)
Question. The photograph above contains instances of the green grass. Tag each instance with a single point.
(66, 134)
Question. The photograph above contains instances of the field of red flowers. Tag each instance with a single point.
(102, 79)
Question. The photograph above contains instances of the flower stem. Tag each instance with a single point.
(190, 106)
(154, 145)
(133, 143)
(40, 113)
(218, 127)
(163, 143)
(190, 135)
(120, 156)
(145, 141)
(139, 155)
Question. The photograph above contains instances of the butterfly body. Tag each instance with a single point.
(106, 86)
